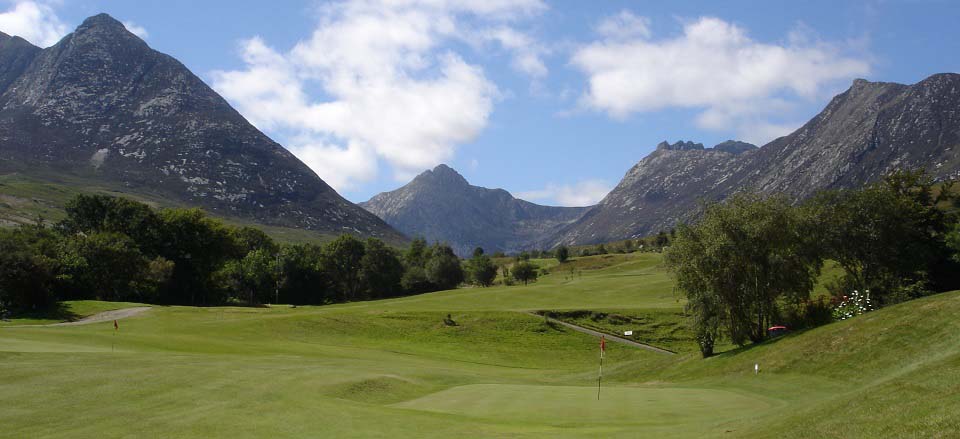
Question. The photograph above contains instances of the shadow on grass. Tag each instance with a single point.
(59, 312)
(736, 350)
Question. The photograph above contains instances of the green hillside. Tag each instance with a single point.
(393, 368)
(24, 199)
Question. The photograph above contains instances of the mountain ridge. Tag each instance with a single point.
(861, 135)
(103, 105)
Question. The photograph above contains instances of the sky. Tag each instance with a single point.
(551, 100)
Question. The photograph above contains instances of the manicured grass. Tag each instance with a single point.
(666, 408)
(635, 281)
(393, 369)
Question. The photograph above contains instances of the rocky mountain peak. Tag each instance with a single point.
(102, 104)
(15, 56)
(440, 205)
(735, 147)
(864, 133)
(103, 22)
(106, 33)
(680, 146)
(442, 175)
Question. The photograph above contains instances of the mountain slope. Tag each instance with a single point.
(102, 105)
(659, 191)
(863, 134)
(440, 205)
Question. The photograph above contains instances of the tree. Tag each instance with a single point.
(563, 253)
(414, 280)
(106, 266)
(478, 251)
(342, 259)
(198, 246)
(482, 270)
(953, 242)
(380, 269)
(417, 254)
(443, 269)
(28, 277)
(524, 272)
(303, 277)
(248, 239)
(101, 213)
(601, 249)
(505, 274)
(662, 239)
(252, 278)
(741, 259)
(889, 238)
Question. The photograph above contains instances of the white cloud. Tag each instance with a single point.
(583, 193)
(389, 88)
(713, 66)
(624, 25)
(33, 21)
(136, 29)
(527, 53)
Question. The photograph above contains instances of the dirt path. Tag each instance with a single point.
(105, 316)
(609, 337)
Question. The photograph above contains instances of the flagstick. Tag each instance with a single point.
(600, 375)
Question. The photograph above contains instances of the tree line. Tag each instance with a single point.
(117, 249)
(752, 261)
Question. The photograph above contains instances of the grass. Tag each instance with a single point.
(392, 368)
(664, 328)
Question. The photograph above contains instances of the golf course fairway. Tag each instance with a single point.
(394, 369)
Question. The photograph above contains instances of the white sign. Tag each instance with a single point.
(627, 332)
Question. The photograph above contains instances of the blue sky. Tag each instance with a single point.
(551, 100)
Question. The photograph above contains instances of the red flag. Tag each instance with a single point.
(115, 325)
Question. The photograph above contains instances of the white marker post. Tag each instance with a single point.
(756, 369)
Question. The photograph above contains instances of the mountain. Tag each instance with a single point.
(863, 134)
(440, 205)
(103, 106)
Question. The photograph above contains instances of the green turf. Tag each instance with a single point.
(393, 369)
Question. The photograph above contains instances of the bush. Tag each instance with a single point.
(524, 272)
(855, 304)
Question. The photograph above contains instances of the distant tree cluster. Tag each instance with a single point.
(753, 259)
(120, 250)
(655, 243)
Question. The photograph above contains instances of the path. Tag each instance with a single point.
(105, 316)
(609, 337)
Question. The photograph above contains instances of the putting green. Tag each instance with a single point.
(577, 405)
